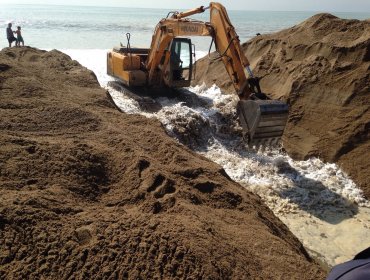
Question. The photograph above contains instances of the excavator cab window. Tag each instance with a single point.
(181, 62)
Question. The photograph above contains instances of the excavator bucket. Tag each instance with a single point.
(263, 121)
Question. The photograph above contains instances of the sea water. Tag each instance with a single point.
(319, 203)
(77, 27)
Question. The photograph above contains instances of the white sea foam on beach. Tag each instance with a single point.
(93, 59)
(318, 202)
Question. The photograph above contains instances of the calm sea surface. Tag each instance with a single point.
(75, 27)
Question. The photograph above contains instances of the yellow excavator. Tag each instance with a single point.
(168, 63)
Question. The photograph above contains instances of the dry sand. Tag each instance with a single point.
(88, 192)
(322, 68)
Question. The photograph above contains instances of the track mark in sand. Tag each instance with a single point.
(206, 187)
(84, 235)
(191, 173)
(4, 67)
(168, 187)
(143, 164)
(232, 199)
(159, 186)
(159, 179)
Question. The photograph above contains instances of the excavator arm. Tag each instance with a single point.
(263, 120)
(228, 47)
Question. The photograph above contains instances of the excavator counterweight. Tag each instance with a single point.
(168, 63)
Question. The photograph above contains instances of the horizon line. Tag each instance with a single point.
(242, 10)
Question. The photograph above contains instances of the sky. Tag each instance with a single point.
(265, 5)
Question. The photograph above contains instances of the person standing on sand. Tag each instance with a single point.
(10, 35)
(19, 37)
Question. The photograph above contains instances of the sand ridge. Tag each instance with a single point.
(89, 192)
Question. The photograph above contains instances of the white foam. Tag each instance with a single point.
(93, 59)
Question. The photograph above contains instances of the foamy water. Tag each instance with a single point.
(318, 202)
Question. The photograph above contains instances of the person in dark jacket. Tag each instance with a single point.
(10, 35)
(356, 269)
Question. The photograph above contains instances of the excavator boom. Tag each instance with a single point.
(168, 63)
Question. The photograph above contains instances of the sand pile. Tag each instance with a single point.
(321, 67)
(89, 192)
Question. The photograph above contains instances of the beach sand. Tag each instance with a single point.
(89, 192)
(92, 192)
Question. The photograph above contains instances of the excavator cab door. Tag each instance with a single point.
(181, 63)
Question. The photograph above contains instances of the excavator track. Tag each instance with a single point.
(146, 103)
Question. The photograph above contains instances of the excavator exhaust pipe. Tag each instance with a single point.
(263, 121)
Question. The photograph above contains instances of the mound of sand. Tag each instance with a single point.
(88, 192)
(322, 68)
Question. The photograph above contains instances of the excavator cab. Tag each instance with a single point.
(180, 64)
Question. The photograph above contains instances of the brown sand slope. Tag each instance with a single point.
(322, 67)
(88, 192)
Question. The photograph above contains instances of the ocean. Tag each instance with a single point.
(77, 27)
(86, 33)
